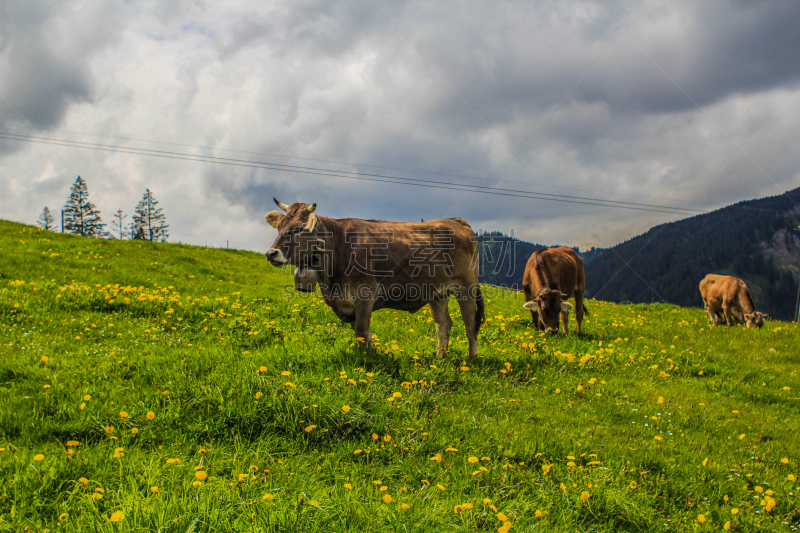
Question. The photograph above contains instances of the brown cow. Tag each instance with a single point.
(551, 276)
(365, 265)
(729, 297)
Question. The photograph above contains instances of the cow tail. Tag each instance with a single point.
(585, 310)
(480, 316)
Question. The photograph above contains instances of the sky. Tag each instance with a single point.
(680, 104)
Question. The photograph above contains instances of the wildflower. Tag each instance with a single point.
(464, 368)
(538, 514)
(502, 517)
(155, 490)
(701, 518)
(83, 480)
(585, 495)
(86, 398)
(437, 458)
(116, 516)
(310, 428)
(262, 369)
(657, 438)
(705, 461)
(109, 429)
(451, 449)
(394, 347)
(357, 452)
(727, 526)
(472, 460)
(200, 475)
(558, 391)
(377, 482)
(151, 415)
(660, 399)
(123, 414)
(384, 488)
(387, 498)
(38, 457)
(267, 497)
(197, 483)
(134, 431)
(241, 478)
(742, 436)
(467, 506)
(790, 477)
(290, 384)
(440, 486)
(348, 486)
(346, 408)
(286, 374)
(405, 506)
(785, 460)
(375, 436)
(633, 484)
(259, 394)
(734, 511)
(487, 501)
(387, 438)
(62, 517)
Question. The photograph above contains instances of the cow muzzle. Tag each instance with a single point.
(275, 257)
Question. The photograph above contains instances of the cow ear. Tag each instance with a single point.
(566, 306)
(273, 218)
(533, 304)
(748, 316)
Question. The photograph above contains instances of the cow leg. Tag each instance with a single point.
(579, 309)
(565, 320)
(441, 316)
(468, 307)
(361, 325)
(728, 316)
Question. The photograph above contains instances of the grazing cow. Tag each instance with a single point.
(551, 276)
(729, 297)
(365, 265)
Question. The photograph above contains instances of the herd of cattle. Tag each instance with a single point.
(365, 265)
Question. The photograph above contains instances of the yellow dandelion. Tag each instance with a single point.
(785, 460)
(151, 415)
(86, 398)
(286, 374)
(387, 438)
(200, 475)
(472, 460)
(387, 498)
(701, 518)
(437, 458)
(734, 511)
(38, 457)
(123, 414)
(727, 526)
(660, 399)
(790, 477)
(405, 506)
(538, 514)
(259, 394)
(155, 490)
(62, 517)
(83, 480)
(585, 495)
(267, 497)
(348, 486)
(440, 486)
(346, 408)
(134, 431)
(197, 483)
(116, 516)
(502, 517)
(310, 428)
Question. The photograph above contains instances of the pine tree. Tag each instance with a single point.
(118, 225)
(82, 217)
(149, 221)
(46, 220)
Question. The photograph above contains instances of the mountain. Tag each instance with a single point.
(503, 258)
(755, 240)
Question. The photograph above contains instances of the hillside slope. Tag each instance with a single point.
(755, 240)
(170, 388)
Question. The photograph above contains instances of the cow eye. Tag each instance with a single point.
(293, 231)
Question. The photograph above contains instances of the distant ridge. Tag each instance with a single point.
(755, 240)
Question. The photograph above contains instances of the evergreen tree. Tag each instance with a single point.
(82, 217)
(149, 221)
(118, 225)
(46, 220)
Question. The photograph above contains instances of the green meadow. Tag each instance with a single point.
(172, 388)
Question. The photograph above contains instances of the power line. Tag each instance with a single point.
(416, 171)
(357, 175)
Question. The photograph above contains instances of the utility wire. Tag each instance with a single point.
(356, 175)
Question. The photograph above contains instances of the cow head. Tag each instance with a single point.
(298, 230)
(754, 320)
(549, 304)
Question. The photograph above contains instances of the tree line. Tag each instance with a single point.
(81, 217)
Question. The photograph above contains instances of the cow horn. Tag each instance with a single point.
(312, 207)
(281, 205)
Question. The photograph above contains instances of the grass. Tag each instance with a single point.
(163, 387)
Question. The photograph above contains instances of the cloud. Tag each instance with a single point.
(681, 103)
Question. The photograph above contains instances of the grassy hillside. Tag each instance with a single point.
(756, 241)
(159, 387)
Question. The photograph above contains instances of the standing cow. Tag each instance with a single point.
(551, 276)
(729, 297)
(365, 265)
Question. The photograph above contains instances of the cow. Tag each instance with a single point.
(551, 276)
(729, 297)
(362, 266)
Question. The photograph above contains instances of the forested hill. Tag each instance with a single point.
(756, 240)
(503, 258)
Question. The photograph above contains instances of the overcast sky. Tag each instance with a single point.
(688, 104)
